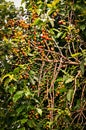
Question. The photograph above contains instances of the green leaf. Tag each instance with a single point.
(62, 90)
(20, 109)
(39, 111)
(23, 128)
(85, 61)
(51, 21)
(22, 1)
(82, 67)
(69, 79)
(32, 72)
(11, 77)
(59, 34)
(2, 6)
(70, 94)
(76, 54)
(31, 123)
(82, 27)
(38, 22)
(36, 78)
(64, 35)
(16, 70)
(17, 95)
(55, 2)
(6, 83)
(27, 92)
(32, 80)
(23, 121)
(30, 54)
(12, 89)
(59, 79)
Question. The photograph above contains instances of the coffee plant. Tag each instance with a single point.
(43, 65)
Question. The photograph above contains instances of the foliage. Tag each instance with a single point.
(43, 65)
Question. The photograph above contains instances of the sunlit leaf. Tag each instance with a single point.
(17, 95)
(70, 94)
(36, 78)
(69, 79)
(39, 111)
(16, 70)
(76, 54)
(63, 35)
(22, 1)
(51, 21)
(32, 80)
(59, 79)
(27, 92)
(10, 76)
(55, 2)
(12, 89)
(37, 22)
(59, 34)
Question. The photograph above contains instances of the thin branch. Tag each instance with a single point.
(52, 91)
(83, 115)
(40, 76)
(58, 61)
(82, 95)
(74, 118)
(74, 89)
(69, 48)
(55, 74)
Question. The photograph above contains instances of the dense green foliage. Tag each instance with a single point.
(43, 65)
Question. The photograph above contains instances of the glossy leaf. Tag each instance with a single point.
(17, 96)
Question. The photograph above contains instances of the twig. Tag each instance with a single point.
(40, 76)
(55, 74)
(74, 89)
(52, 91)
(47, 89)
(82, 95)
(69, 48)
(74, 118)
(58, 61)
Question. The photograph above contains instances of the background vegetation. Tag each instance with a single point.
(43, 65)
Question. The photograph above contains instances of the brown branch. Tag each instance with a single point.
(58, 61)
(40, 76)
(69, 48)
(74, 89)
(52, 93)
(74, 118)
(55, 74)
(82, 95)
